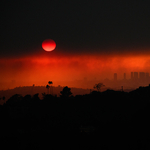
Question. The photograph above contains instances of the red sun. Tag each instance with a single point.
(49, 45)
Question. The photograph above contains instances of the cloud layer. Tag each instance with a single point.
(69, 68)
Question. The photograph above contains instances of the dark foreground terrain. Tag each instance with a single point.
(100, 120)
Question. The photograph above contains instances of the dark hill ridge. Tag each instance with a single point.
(99, 120)
(31, 90)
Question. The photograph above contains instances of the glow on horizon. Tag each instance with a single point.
(67, 68)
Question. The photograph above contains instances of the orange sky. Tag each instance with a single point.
(35, 69)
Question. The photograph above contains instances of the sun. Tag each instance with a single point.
(48, 45)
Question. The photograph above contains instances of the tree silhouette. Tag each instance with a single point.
(36, 97)
(47, 86)
(3, 98)
(44, 95)
(15, 99)
(98, 86)
(50, 82)
(66, 92)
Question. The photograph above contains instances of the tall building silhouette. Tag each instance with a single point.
(142, 75)
(147, 75)
(115, 76)
(124, 76)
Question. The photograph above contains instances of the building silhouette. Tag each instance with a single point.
(115, 76)
(147, 75)
(137, 79)
(142, 75)
(124, 76)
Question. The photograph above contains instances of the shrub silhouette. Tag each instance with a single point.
(119, 119)
(66, 92)
(98, 86)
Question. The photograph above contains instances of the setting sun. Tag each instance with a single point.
(48, 45)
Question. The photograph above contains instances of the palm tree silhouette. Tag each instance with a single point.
(47, 86)
(51, 89)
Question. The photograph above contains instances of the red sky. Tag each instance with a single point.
(94, 40)
(42, 68)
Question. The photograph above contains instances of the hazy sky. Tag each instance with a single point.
(93, 38)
